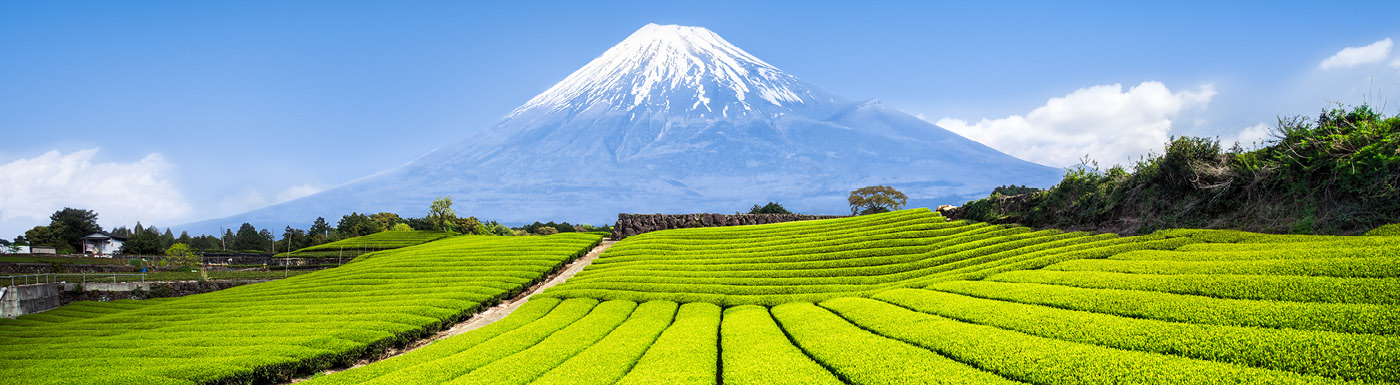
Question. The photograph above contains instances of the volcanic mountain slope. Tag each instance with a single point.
(674, 119)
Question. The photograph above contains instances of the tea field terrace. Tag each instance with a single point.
(907, 297)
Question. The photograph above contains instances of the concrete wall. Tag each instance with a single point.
(24, 299)
(633, 224)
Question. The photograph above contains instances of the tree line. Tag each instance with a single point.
(67, 228)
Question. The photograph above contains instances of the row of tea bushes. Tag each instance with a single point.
(270, 332)
(350, 248)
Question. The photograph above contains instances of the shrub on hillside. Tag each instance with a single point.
(770, 208)
(1336, 174)
(1390, 230)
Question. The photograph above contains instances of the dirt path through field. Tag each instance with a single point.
(486, 317)
(495, 313)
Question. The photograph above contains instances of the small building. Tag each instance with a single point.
(102, 244)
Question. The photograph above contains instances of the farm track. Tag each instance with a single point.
(485, 317)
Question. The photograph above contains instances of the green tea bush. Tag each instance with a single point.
(1336, 355)
(1033, 359)
(1380, 291)
(862, 357)
(757, 352)
(273, 331)
(1335, 317)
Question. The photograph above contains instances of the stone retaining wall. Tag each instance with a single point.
(633, 224)
(24, 299)
(94, 291)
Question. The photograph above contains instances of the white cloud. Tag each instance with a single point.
(298, 191)
(1251, 136)
(1109, 125)
(1395, 63)
(120, 193)
(1355, 56)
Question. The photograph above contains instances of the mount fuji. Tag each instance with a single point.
(673, 119)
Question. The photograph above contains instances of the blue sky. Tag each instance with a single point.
(204, 109)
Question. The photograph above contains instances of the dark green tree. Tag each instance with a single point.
(441, 213)
(320, 227)
(266, 241)
(386, 220)
(770, 208)
(70, 225)
(292, 239)
(167, 239)
(421, 224)
(226, 241)
(205, 242)
(876, 199)
(42, 236)
(142, 242)
(248, 239)
(356, 224)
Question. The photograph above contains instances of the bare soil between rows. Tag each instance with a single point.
(485, 317)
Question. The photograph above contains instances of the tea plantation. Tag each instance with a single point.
(271, 331)
(353, 247)
(897, 298)
(908, 298)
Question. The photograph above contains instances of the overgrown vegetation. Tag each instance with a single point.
(1336, 174)
(770, 208)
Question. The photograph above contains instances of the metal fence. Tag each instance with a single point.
(29, 279)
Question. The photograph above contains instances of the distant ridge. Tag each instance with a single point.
(673, 119)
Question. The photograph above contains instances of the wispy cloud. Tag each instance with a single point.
(1355, 56)
(297, 191)
(1253, 135)
(120, 193)
(1104, 122)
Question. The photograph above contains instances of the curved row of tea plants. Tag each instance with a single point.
(350, 248)
(901, 336)
(817, 260)
(906, 298)
(275, 330)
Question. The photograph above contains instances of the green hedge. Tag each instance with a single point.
(1336, 355)
(1029, 358)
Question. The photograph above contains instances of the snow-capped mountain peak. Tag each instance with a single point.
(672, 69)
(673, 119)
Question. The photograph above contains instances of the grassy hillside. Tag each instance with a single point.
(350, 248)
(270, 331)
(1337, 174)
(905, 297)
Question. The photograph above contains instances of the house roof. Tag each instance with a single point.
(104, 235)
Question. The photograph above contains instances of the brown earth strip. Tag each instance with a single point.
(485, 317)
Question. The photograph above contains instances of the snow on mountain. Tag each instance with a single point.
(676, 70)
(673, 119)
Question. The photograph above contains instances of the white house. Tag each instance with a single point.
(102, 244)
